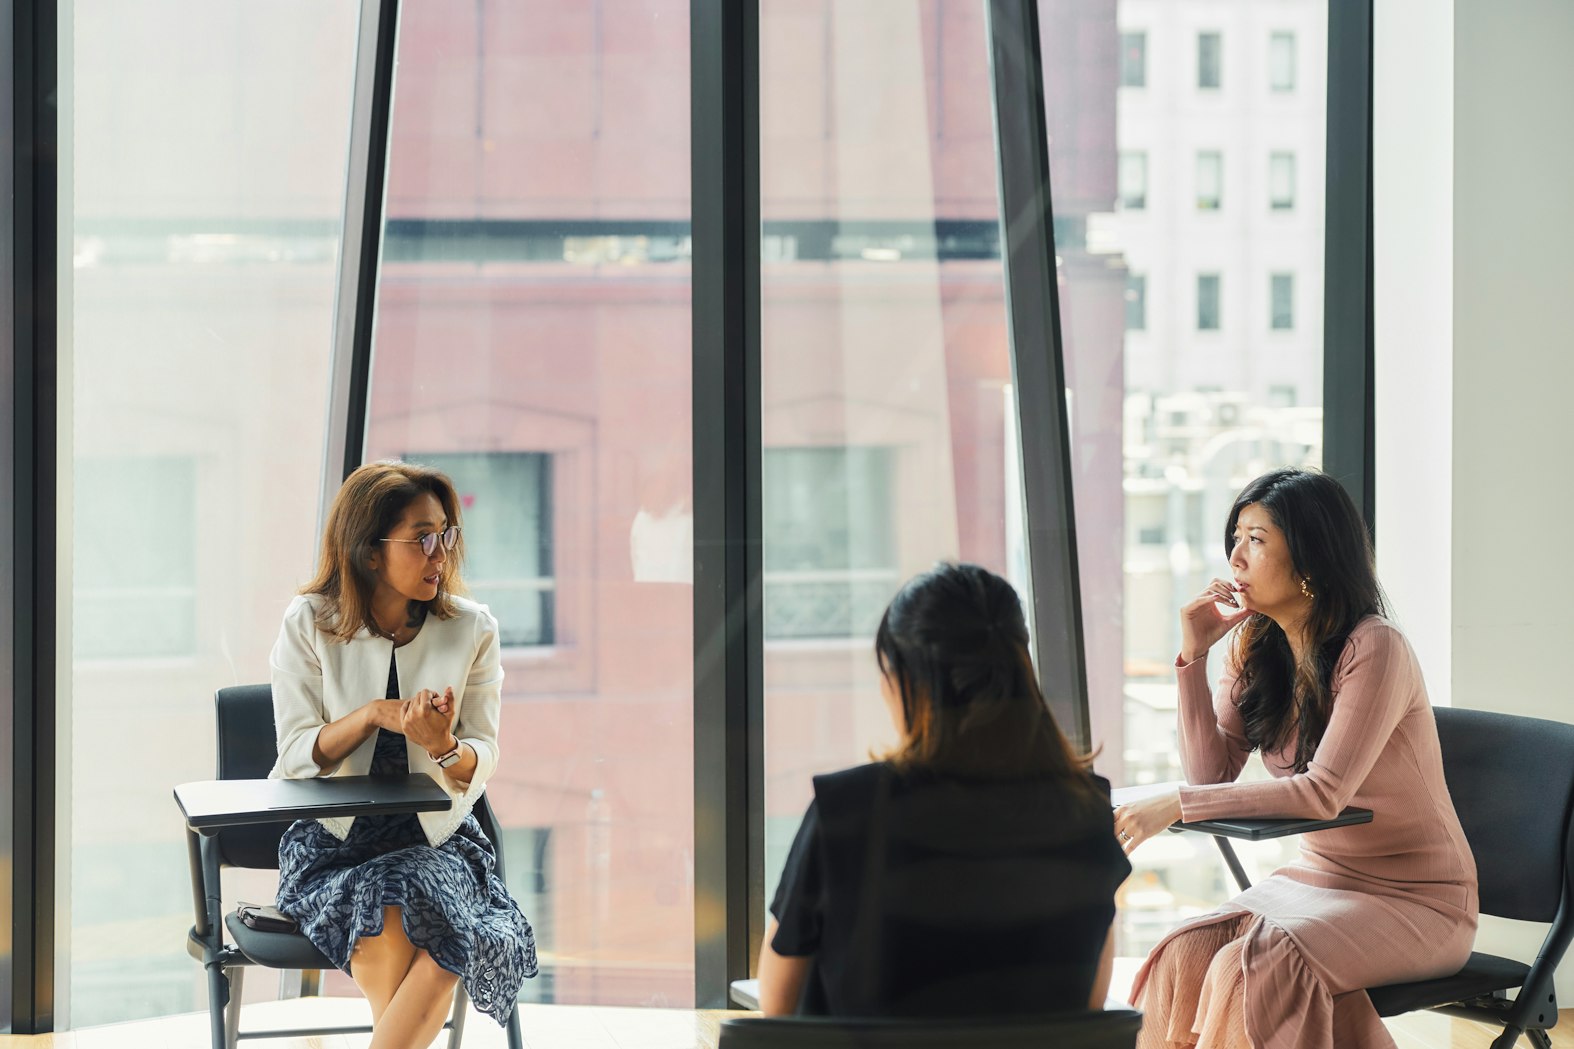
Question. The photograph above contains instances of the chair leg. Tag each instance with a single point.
(237, 977)
(1540, 1039)
(516, 1040)
(218, 998)
(311, 983)
(1507, 1039)
(461, 1003)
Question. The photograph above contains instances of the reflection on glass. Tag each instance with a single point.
(887, 418)
(209, 141)
(533, 341)
(1216, 379)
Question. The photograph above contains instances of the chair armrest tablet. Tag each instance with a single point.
(212, 805)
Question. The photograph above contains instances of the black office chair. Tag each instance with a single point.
(1512, 781)
(1107, 1029)
(246, 751)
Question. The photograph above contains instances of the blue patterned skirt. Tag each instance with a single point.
(455, 907)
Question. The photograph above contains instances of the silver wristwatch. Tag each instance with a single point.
(450, 758)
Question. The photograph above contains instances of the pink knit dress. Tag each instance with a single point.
(1372, 904)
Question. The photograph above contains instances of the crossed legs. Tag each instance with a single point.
(410, 994)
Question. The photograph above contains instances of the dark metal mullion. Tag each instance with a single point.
(361, 245)
(1037, 359)
(1348, 340)
(31, 384)
(728, 634)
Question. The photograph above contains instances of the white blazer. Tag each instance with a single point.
(318, 679)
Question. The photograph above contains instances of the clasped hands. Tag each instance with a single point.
(426, 719)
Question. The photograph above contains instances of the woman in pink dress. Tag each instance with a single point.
(1329, 692)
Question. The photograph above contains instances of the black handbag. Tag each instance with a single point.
(265, 918)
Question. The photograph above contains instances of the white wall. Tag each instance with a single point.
(1475, 354)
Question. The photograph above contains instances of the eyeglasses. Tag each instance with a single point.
(449, 536)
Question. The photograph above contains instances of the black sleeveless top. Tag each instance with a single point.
(922, 895)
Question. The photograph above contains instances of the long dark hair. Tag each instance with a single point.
(369, 505)
(1281, 699)
(955, 644)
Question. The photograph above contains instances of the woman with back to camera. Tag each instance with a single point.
(1331, 695)
(973, 870)
(381, 667)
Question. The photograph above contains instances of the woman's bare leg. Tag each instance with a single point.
(419, 1007)
(378, 964)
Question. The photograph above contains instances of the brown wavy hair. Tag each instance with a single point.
(1281, 698)
(954, 642)
(368, 506)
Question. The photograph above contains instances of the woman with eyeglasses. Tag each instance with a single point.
(382, 667)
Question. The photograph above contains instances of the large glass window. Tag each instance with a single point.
(204, 192)
(888, 426)
(533, 340)
(1201, 402)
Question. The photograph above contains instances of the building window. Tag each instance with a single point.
(1133, 180)
(1210, 60)
(830, 540)
(1281, 395)
(1207, 302)
(1210, 180)
(1281, 295)
(1281, 61)
(1136, 302)
(134, 557)
(506, 504)
(1152, 535)
(1134, 60)
(1281, 181)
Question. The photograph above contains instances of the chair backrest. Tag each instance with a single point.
(1512, 782)
(1107, 1029)
(247, 750)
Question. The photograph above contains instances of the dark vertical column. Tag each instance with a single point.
(1348, 414)
(360, 247)
(28, 392)
(1037, 358)
(728, 632)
